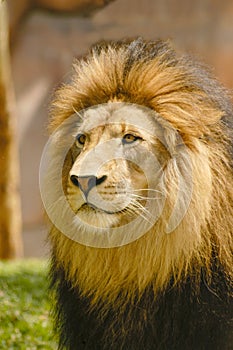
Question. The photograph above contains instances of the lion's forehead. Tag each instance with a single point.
(117, 118)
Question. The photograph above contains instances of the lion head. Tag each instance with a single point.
(144, 194)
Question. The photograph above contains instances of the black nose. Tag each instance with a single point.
(86, 183)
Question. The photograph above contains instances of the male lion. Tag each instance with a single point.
(142, 209)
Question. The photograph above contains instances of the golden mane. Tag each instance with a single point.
(183, 94)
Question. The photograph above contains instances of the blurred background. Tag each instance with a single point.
(45, 36)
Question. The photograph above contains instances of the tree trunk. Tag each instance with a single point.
(19, 8)
(81, 7)
(10, 213)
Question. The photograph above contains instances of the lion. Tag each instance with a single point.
(140, 161)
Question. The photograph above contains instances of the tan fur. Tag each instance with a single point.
(169, 89)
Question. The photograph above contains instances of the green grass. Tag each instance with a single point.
(24, 306)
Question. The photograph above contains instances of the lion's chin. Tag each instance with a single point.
(90, 215)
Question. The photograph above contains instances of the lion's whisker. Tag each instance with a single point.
(143, 197)
(147, 189)
(78, 114)
(141, 210)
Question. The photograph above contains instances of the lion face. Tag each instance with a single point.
(118, 159)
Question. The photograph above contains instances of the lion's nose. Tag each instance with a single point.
(86, 183)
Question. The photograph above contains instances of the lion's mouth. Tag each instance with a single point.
(90, 206)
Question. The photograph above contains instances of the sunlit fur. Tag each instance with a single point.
(181, 92)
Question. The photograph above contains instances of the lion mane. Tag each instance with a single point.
(162, 291)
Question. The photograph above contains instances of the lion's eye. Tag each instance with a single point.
(80, 140)
(129, 138)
